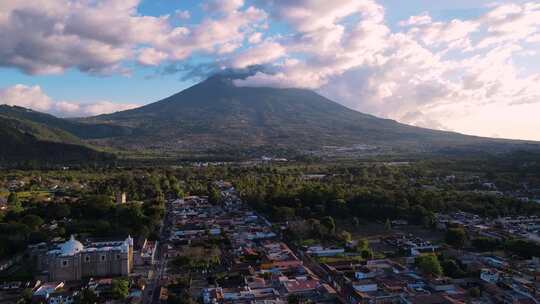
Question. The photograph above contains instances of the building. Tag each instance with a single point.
(3, 203)
(147, 254)
(489, 275)
(72, 261)
(324, 252)
(121, 197)
(43, 293)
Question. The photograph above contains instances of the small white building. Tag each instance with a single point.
(324, 252)
(490, 276)
(365, 286)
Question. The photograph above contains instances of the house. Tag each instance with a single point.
(44, 291)
(121, 197)
(441, 285)
(3, 204)
(495, 262)
(365, 285)
(62, 297)
(436, 298)
(148, 252)
(240, 295)
(489, 275)
(324, 252)
(300, 285)
(366, 273)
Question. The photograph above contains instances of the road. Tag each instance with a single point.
(151, 294)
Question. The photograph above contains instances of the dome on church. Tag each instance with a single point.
(71, 247)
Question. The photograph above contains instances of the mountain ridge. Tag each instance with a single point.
(215, 114)
(215, 117)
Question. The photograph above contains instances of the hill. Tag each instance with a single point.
(19, 145)
(75, 128)
(40, 131)
(216, 115)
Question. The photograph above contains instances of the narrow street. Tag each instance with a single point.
(159, 268)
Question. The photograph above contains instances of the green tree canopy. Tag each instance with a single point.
(429, 265)
(14, 204)
(456, 237)
(120, 289)
(32, 221)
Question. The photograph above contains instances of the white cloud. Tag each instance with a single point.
(34, 98)
(104, 107)
(183, 15)
(431, 73)
(25, 96)
(48, 37)
(255, 38)
(260, 54)
(422, 19)
(150, 56)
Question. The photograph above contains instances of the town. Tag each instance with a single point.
(219, 250)
(269, 152)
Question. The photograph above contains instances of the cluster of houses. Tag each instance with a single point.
(259, 266)
(397, 278)
(520, 227)
(60, 292)
(255, 263)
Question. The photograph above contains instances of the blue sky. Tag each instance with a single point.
(437, 64)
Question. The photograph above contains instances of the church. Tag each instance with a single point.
(72, 261)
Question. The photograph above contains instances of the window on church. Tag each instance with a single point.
(87, 259)
(103, 257)
(118, 257)
(64, 263)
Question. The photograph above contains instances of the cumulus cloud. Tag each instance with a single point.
(50, 36)
(183, 15)
(260, 54)
(428, 73)
(29, 97)
(34, 98)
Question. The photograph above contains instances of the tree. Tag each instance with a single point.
(345, 236)
(180, 299)
(120, 289)
(86, 296)
(329, 224)
(26, 296)
(283, 213)
(60, 211)
(355, 222)
(429, 265)
(387, 225)
(523, 248)
(456, 237)
(452, 269)
(363, 244)
(484, 244)
(14, 203)
(475, 292)
(32, 221)
(295, 299)
(182, 262)
(366, 254)
(214, 195)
